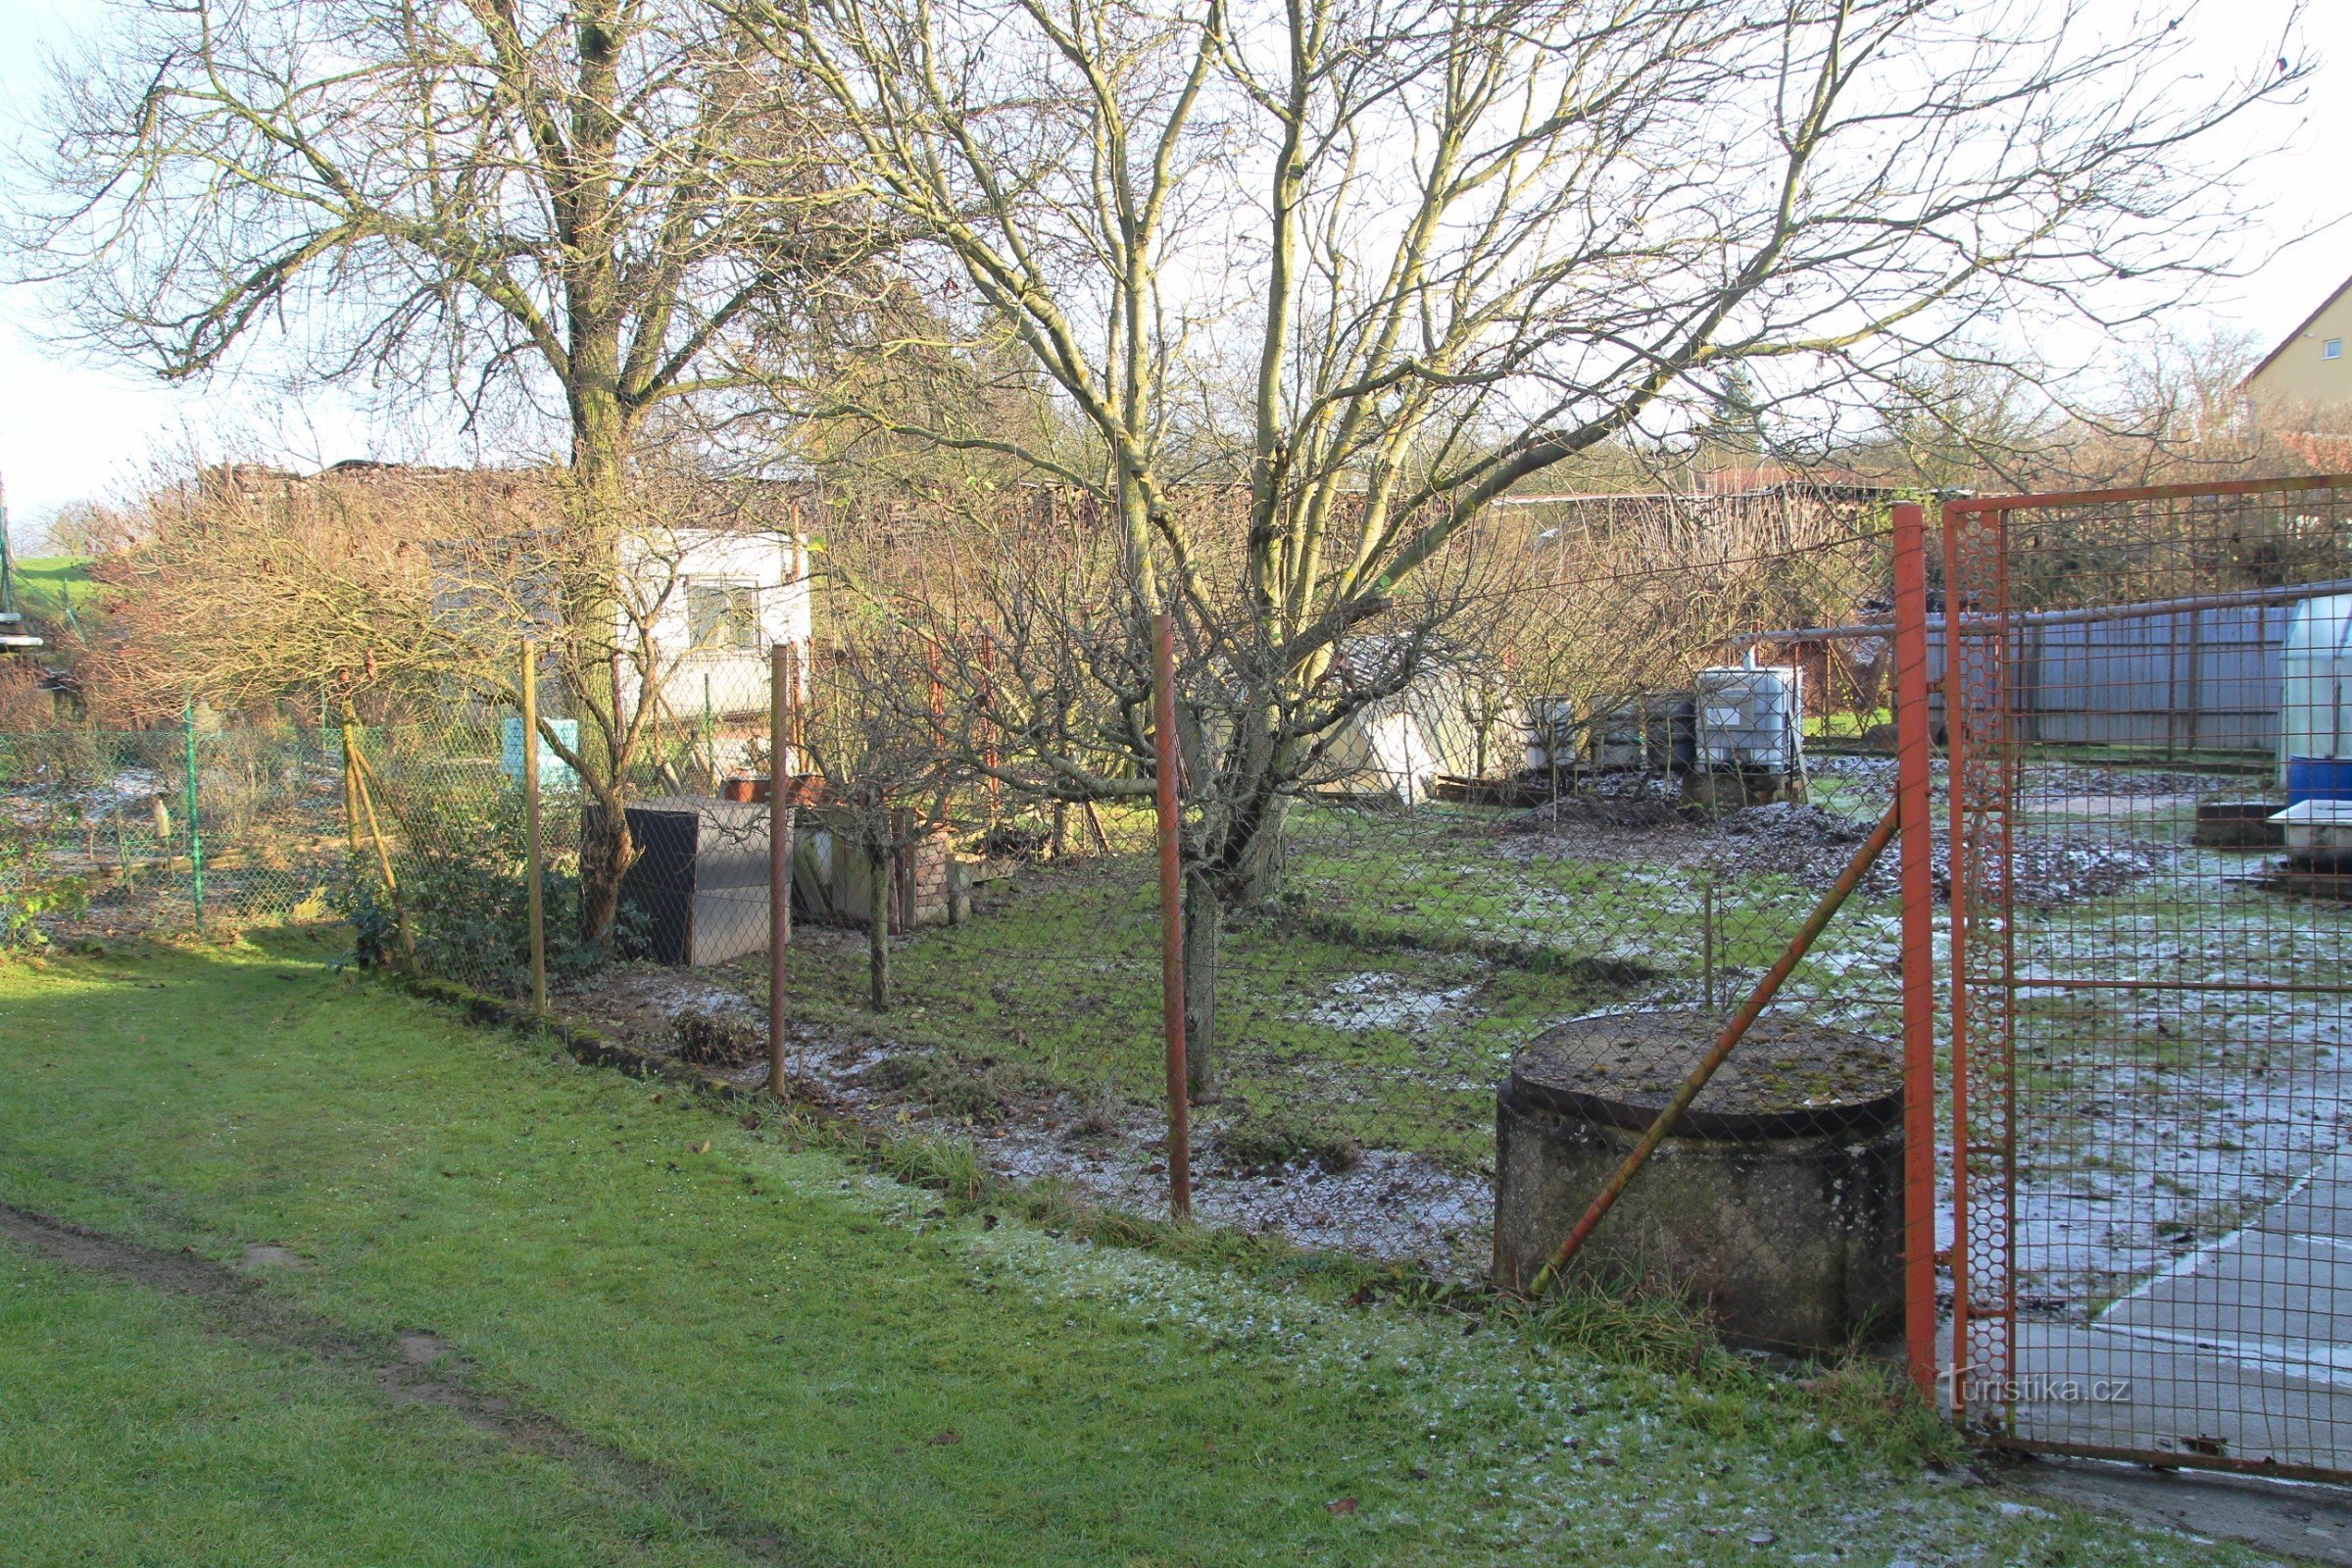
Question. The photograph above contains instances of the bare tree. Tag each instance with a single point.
(1380, 262)
(583, 210)
(405, 595)
(877, 749)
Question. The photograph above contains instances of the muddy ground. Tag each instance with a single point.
(1382, 1203)
(1638, 817)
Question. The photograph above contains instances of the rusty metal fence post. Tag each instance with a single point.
(1171, 911)
(1914, 766)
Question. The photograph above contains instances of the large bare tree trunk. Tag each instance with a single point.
(607, 852)
(1235, 869)
(599, 440)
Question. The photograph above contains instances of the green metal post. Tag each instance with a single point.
(187, 726)
(7, 567)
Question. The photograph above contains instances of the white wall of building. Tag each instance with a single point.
(715, 602)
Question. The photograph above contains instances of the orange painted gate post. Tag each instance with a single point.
(1916, 863)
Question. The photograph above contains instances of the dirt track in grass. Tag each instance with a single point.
(421, 1368)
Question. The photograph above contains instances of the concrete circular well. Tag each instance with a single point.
(1777, 1204)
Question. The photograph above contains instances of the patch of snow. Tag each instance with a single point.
(1378, 1000)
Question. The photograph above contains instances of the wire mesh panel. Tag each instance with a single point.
(2151, 1119)
(1418, 939)
(269, 814)
(1568, 794)
(129, 831)
(438, 854)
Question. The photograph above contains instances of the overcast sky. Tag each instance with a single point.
(71, 430)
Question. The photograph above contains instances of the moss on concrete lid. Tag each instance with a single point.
(1786, 1078)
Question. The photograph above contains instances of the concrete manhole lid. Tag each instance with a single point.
(1786, 1078)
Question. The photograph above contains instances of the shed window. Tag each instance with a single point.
(722, 615)
(2332, 349)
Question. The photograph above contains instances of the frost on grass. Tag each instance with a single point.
(1496, 1447)
(2165, 1119)
(1379, 1000)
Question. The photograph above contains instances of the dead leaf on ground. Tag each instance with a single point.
(1339, 1505)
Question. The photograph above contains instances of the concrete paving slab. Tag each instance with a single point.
(2255, 1287)
(2242, 1350)
(2108, 1388)
(2304, 1522)
(2320, 1204)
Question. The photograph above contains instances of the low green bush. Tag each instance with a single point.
(31, 889)
(464, 889)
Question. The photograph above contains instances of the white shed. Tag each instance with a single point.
(1444, 722)
(714, 602)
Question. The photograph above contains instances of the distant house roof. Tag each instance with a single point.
(2295, 336)
(1734, 484)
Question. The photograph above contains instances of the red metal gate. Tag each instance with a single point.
(2149, 1019)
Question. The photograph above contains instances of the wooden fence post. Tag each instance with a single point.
(187, 723)
(537, 857)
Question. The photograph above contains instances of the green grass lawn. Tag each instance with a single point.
(48, 585)
(792, 1360)
(136, 1435)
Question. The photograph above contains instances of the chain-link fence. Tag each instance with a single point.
(1571, 797)
(1526, 852)
(1577, 799)
(127, 831)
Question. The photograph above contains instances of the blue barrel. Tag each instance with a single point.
(2317, 778)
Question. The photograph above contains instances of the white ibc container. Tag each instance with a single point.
(2315, 696)
(1751, 716)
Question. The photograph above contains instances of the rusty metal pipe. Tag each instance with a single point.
(1171, 911)
(1733, 1033)
(1913, 783)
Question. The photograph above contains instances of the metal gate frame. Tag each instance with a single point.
(1978, 629)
